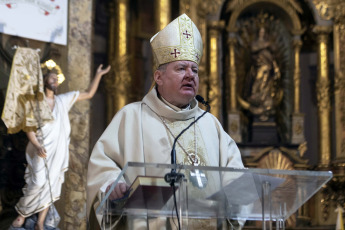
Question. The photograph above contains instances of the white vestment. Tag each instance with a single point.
(38, 194)
(137, 134)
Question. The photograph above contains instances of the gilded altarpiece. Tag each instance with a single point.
(333, 193)
(255, 92)
(252, 76)
(261, 90)
(263, 79)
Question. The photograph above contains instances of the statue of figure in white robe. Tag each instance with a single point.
(47, 152)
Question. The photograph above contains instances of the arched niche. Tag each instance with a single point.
(281, 20)
(280, 8)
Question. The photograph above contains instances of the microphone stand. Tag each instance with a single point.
(175, 177)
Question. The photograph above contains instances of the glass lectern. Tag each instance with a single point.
(204, 192)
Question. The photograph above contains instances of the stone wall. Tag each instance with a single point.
(79, 65)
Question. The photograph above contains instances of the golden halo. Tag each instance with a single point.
(51, 65)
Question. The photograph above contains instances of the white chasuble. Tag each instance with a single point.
(38, 194)
(190, 147)
(137, 134)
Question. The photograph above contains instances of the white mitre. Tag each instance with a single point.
(179, 40)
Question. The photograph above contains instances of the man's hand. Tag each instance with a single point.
(41, 152)
(118, 192)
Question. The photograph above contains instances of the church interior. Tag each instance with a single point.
(273, 72)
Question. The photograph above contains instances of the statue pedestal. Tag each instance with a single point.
(297, 136)
(264, 132)
(234, 126)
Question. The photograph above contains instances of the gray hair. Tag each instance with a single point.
(163, 67)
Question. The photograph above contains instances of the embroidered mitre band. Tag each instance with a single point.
(179, 40)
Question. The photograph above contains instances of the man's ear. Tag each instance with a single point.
(157, 76)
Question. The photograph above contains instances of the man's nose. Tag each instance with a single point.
(190, 73)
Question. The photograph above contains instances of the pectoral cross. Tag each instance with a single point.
(198, 178)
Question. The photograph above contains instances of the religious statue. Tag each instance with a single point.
(33, 106)
(262, 93)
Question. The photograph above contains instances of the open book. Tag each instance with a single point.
(148, 193)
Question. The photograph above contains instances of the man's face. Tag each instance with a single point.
(51, 82)
(179, 83)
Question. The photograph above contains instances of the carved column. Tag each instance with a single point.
(335, 10)
(323, 96)
(297, 136)
(189, 7)
(339, 86)
(297, 44)
(162, 14)
(333, 192)
(234, 122)
(119, 78)
(214, 92)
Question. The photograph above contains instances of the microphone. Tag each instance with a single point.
(202, 101)
(173, 176)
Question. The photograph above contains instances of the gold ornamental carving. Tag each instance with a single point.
(260, 90)
(297, 44)
(275, 159)
(204, 7)
(214, 94)
(330, 9)
(187, 7)
(323, 82)
(234, 118)
(118, 79)
(291, 7)
(240, 3)
(162, 13)
(292, 155)
(284, 159)
(333, 194)
(234, 126)
(339, 81)
(339, 86)
(298, 128)
(297, 136)
(323, 95)
(323, 32)
(120, 71)
(232, 73)
(117, 83)
(212, 6)
(302, 148)
(122, 36)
